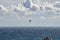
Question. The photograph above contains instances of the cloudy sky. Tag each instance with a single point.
(41, 12)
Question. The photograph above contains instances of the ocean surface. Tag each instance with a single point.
(29, 33)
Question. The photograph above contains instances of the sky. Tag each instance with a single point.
(45, 13)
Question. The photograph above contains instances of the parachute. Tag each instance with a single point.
(27, 4)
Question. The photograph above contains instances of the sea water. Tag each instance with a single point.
(29, 33)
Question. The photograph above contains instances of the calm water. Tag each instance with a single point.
(25, 33)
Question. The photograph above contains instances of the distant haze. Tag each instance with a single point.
(40, 12)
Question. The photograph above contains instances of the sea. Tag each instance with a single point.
(29, 33)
